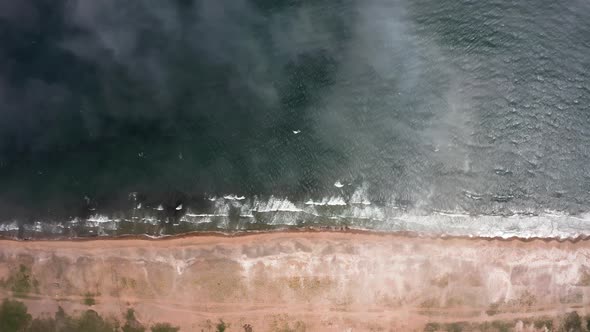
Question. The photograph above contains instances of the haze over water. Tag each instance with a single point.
(473, 107)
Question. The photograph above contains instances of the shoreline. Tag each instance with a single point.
(550, 225)
(309, 230)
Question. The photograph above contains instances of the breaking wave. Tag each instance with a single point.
(231, 213)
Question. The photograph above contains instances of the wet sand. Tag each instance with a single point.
(312, 281)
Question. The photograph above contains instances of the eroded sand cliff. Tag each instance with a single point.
(313, 281)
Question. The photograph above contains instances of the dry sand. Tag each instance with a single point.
(313, 281)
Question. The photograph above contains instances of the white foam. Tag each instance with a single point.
(197, 219)
(274, 204)
(360, 195)
(452, 214)
(246, 211)
(150, 220)
(333, 201)
(363, 212)
(205, 215)
(360, 213)
(336, 201)
(381, 218)
(98, 218)
(13, 226)
(155, 236)
(234, 197)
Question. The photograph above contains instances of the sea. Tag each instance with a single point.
(459, 118)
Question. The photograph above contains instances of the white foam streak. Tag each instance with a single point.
(360, 196)
(356, 211)
(274, 204)
(333, 201)
(97, 218)
(234, 197)
(13, 226)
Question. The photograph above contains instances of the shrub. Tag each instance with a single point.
(89, 299)
(13, 316)
(221, 326)
(90, 321)
(572, 322)
(131, 324)
(432, 327)
(164, 327)
(21, 282)
(43, 325)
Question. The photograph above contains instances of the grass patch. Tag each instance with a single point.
(15, 318)
(21, 282)
(128, 283)
(441, 282)
(493, 309)
(548, 323)
(91, 321)
(221, 326)
(455, 327)
(281, 324)
(432, 327)
(572, 322)
(584, 279)
(131, 323)
(429, 303)
(164, 327)
(89, 299)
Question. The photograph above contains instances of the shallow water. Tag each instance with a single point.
(424, 107)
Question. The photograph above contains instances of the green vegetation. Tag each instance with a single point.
(548, 323)
(42, 325)
(502, 326)
(21, 282)
(493, 309)
(572, 322)
(584, 278)
(164, 327)
(455, 327)
(90, 321)
(15, 318)
(130, 314)
(128, 283)
(131, 323)
(221, 326)
(298, 326)
(432, 327)
(282, 324)
(89, 299)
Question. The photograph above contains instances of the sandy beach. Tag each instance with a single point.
(306, 281)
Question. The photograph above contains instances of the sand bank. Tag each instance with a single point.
(323, 281)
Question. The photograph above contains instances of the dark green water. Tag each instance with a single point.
(480, 107)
